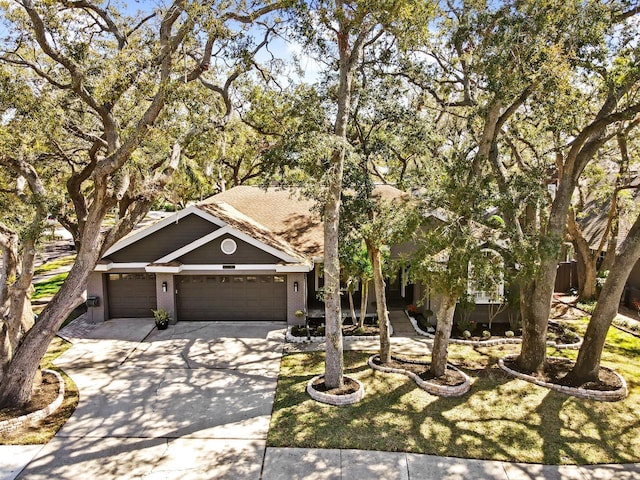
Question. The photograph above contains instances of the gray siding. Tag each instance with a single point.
(165, 241)
(245, 254)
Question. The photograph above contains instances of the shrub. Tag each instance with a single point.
(486, 334)
(320, 331)
(466, 334)
(298, 331)
(509, 334)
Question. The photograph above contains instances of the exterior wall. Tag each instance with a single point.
(166, 240)
(212, 254)
(97, 287)
(166, 300)
(296, 300)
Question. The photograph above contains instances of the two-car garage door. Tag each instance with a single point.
(231, 297)
(202, 297)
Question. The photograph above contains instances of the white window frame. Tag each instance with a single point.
(483, 297)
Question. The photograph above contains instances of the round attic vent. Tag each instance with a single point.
(228, 246)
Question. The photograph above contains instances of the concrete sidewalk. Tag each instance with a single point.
(319, 464)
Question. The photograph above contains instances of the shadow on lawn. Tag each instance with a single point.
(499, 419)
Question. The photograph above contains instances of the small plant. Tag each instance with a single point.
(360, 331)
(298, 331)
(428, 313)
(486, 334)
(299, 313)
(509, 334)
(320, 330)
(636, 305)
(412, 309)
(588, 306)
(162, 318)
(466, 334)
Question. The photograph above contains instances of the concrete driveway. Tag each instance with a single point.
(190, 402)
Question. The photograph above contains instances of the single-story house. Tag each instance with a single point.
(245, 254)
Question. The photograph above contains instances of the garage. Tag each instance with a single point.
(131, 295)
(232, 297)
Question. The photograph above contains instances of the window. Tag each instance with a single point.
(228, 246)
(486, 278)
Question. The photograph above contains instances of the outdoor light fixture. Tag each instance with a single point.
(164, 287)
(295, 286)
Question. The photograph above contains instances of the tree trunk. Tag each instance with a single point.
(352, 308)
(444, 324)
(588, 363)
(381, 303)
(334, 361)
(535, 307)
(587, 272)
(363, 303)
(17, 384)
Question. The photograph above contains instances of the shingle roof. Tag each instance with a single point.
(279, 217)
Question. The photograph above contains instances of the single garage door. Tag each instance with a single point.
(232, 297)
(131, 295)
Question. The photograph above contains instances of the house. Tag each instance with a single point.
(245, 254)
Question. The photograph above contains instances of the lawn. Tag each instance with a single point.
(499, 419)
(49, 287)
(55, 264)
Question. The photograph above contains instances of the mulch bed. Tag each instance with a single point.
(45, 394)
(556, 370)
(556, 332)
(347, 331)
(350, 386)
(451, 378)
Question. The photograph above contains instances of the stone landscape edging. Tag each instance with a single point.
(15, 423)
(600, 395)
(289, 337)
(335, 400)
(494, 341)
(433, 389)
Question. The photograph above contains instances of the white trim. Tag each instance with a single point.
(106, 267)
(175, 218)
(228, 230)
(228, 246)
(194, 245)
(263, 246)
(224, 268)
(164, 268)
(293, 268)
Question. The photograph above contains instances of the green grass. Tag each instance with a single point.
(499, 419)
(55, 264)
(49, 287)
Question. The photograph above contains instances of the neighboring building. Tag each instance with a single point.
(244, 254)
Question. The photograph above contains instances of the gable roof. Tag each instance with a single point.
(277, 220)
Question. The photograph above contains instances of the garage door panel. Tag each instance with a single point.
(131, 295)
(232, 297)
